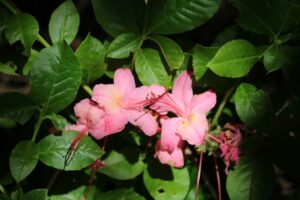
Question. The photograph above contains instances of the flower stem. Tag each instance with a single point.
(222, 105)
(87, 89)
(199, 174)
(37, 127)
(218, 178)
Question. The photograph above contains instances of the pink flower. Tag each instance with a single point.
(191, 123)
(125, 103)
(173, 158)
(92, 119)
(229, 147)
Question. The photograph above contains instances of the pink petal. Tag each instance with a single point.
(108, 125)
(124, 81)
(193, 129)
(109, 97)
(81, 110)
(174, 159)
(144, 120)
(204, 102)
(182, 89)
(169, 139)
(77, 127)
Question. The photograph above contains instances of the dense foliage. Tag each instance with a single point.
(153, 96)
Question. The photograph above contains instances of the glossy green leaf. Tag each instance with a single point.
(274, 58)
(16, 106)
(22, 27)
(8, 68)
(121, 194)
(3, 20)
(27, 67)
(253, 178)
(169, 17)
(64, 23)
(123, 45)
(117, 16)
(271, 16)
(201, 56)
(58, 121)
(170, 50)
(123, 165)
(164, 182)
(234, 59)
(253, 106)
(37, 194)
(76, 194)
(55, 78)
(54, 151)
(150, 69)
(23, 159)
(91, 55)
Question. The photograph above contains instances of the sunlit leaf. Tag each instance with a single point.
(55, 78)
(54, 151)
(234, 59)
(64, 23)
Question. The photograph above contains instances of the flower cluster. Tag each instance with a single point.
(230, 139)
(112, 106)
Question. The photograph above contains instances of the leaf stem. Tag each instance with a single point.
(222, 105)
(43, 41)
(87, 89)
(37, 127)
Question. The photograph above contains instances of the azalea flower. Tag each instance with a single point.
(190, 123)
(173, 158)
(92, 119)
(124, 102)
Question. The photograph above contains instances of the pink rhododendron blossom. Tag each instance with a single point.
(191, 123)
(126, 103)
(92, 119)
(229, 147)
(173, 158)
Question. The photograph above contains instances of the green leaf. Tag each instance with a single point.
(8, 68)
(123, 165)
(191, 194)
(164, 182)
(234, 59)
(121, 194)
(253, 106)
(169, 17)
(23, 159)
(3, 20)
(27, 67)
(150, 68)
(16, 106)
(271, 16)
(22, 27)
(54, 151)
(201, 56)
(123, 45)
(76, 194)
(170, 50)
(58, 121)
(274, 58)
(253, 177)
(55, 78)
(91, 55)
(117, 16)
(37, 194)
(64, 23)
